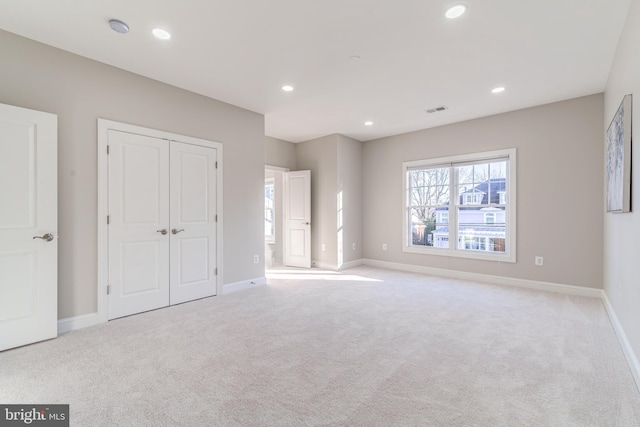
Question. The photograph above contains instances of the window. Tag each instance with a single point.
(269, 203)
(490, 218)
(461, 206)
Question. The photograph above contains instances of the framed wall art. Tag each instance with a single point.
(618, 159)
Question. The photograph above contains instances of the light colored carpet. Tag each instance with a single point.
(364, 347)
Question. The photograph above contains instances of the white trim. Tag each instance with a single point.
(324, 265)
(351, 264)
(103, 200)
(630, 355)
(77, 322)
(229, 288)
(486, 278)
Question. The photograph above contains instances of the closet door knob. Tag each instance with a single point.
(163, 231)
(174, 231)
(46, 237)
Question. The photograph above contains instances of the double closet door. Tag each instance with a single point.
(162, 223)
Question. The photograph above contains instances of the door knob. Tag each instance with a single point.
(174, 231)
(163, 231)
(46, 237)
(305, 223)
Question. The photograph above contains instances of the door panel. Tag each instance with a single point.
(193, 222)
(139, 211)
(28, 191)
(298, 219)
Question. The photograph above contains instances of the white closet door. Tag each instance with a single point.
(139, 223)
(28, 226)
(193, 222)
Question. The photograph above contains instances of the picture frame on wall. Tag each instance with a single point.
(618, 159)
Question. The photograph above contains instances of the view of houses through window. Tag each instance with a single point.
(269, 200)
(477, 218)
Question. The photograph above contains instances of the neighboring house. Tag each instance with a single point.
(481, 221)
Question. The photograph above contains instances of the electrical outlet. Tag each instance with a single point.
(323, 247)
(354, 246)
(539, 261)
(384, 246)
(256, 259)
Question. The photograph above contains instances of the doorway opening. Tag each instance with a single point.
(274, 216)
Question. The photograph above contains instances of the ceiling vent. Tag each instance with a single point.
(437, 109)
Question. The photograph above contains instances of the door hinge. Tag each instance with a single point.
(216, 217)
(216, 164)
(108, 289)
(108, 219)
(216, 271)
(107, 149)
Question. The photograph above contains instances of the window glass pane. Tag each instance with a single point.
(269, 220)
(477, 233)
(428, 187)
(427, 228)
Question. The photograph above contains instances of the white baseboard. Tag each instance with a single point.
(351, 264)
(324, 265)
(632, 359)
(77, 322)
(242, 285)
(486, 278)
(334, 267)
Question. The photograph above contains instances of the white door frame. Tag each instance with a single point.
(103, 200)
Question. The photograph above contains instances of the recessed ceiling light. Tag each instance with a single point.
(456, 11)
(368, 123)
(354, 58)
(287, 88)
(498, 89)
(118, 26)
(161, 34)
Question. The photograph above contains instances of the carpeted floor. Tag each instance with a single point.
(364, 347)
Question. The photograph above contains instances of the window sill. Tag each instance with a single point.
(479, 255)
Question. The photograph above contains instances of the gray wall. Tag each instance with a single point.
(559, 189)
(621, 248)
(349, 158)
(319, 156)
(79, 90)
(279, 153)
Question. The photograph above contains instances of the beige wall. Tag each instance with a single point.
(319, 156)
(559, 189)
(78, 90)
(279, 153)
(622, 231)
(349, 158)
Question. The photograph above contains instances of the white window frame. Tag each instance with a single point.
(510, 218)
(271, 238)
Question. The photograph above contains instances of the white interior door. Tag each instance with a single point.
(298, 218)
(193, 222)
(138, 223)
(28, 226)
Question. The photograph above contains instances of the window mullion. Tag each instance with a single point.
(453, 209)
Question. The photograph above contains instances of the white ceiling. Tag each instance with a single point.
(412, 57)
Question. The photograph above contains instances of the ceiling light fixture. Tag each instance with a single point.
(498, 89)
(368, 123)
(118, 26)
(161, 34)
(287, 88)
(456, 11)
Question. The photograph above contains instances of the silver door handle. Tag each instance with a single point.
(163, 231)
(174, 231)
(46, 237)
